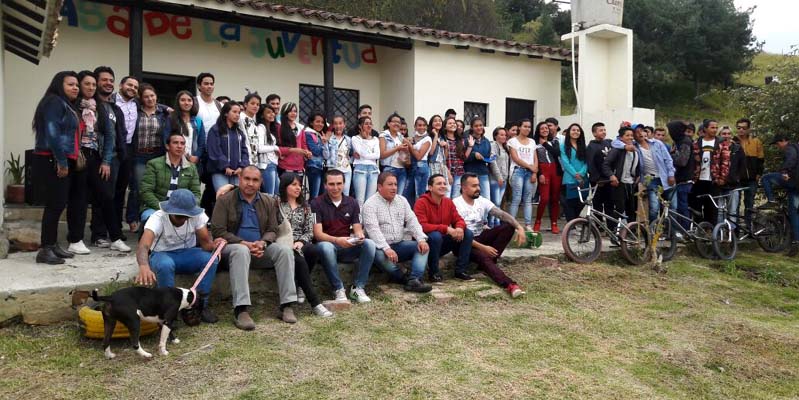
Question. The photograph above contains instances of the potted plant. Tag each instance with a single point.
(15, 190)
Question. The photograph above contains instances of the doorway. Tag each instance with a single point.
(516, 109)
(167, 86)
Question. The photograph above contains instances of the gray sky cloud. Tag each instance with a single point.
(775, 23)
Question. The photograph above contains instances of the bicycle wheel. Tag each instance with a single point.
(771, 232)
(703, 240)
(725, 242)
(581, 241)
(667, 242)
(634, 240)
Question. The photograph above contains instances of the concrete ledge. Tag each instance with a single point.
(40, 294)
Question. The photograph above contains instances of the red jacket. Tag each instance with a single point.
(437, 217)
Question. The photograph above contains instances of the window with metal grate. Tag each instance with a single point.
(470, 110)
(345, 103)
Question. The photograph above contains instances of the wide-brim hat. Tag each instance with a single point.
(181, 202)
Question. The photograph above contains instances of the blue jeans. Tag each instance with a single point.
(330, 253)
(314, 181)
(347, 181)
(522, 191)
(775, 179)
(497, 193)
(793, 214)
(680, 203)
(139, 166)
(402, 176)
(455, 191)
(219, 180)
(420, 176)
(364, 182)
(145, 215)
(406, 250)
(165, 264)
(270, 181)
(652, 193)
(442, 244)
(749, 199)
(733, 205)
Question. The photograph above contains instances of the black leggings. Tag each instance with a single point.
(68, 192)
(303, 264)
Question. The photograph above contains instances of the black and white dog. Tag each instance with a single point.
(132, 305)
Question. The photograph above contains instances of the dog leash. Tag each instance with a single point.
(193, 289)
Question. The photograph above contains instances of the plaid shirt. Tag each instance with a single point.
(148, 132)
(454, 162)
(387, 223)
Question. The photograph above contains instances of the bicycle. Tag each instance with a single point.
(699, 234)
(769, 229)
(582, 240)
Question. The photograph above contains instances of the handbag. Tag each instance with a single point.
(80, 162)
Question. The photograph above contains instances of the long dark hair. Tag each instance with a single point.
(55, 89)
(430, 124)
(312, 117)
(361, 121)
(537, 134)
(390, 117)
(221, 121)
(102, 117)
(580, 142)
(176, 118)
(494, 136)
(271, 127)
(287, 137)
(285, 180)
(459, 150)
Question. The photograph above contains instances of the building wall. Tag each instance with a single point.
(90, 34)
(423, 81)
(445, 77)
(397, 75)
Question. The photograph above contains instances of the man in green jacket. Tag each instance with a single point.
(165, 174)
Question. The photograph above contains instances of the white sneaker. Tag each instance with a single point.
(300, 296)
(321, 311)
(119, 245)
(78, 248)
(359, 295)
(341, 296)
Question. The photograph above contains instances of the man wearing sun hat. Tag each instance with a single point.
(168, 246)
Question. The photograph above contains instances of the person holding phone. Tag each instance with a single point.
(340, 237)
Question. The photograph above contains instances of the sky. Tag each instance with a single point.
(775, 23)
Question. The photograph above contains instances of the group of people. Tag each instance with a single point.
(338, 194)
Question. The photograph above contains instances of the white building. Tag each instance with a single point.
(275, 49)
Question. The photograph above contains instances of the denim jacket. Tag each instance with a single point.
(55, 133)
(330, 151)
(315, 146)
(660, 153)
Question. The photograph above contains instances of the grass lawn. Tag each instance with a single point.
(702, 330)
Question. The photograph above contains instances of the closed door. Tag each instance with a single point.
(516, 109)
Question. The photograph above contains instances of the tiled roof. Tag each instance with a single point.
(344, 21)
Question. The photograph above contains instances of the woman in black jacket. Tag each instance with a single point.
(623, 168)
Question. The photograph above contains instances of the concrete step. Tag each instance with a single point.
(42, 294)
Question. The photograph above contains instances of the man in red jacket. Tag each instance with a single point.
(446, 230)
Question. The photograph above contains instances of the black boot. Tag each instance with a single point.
(206, 315)
(47, 256)
(59, 252)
